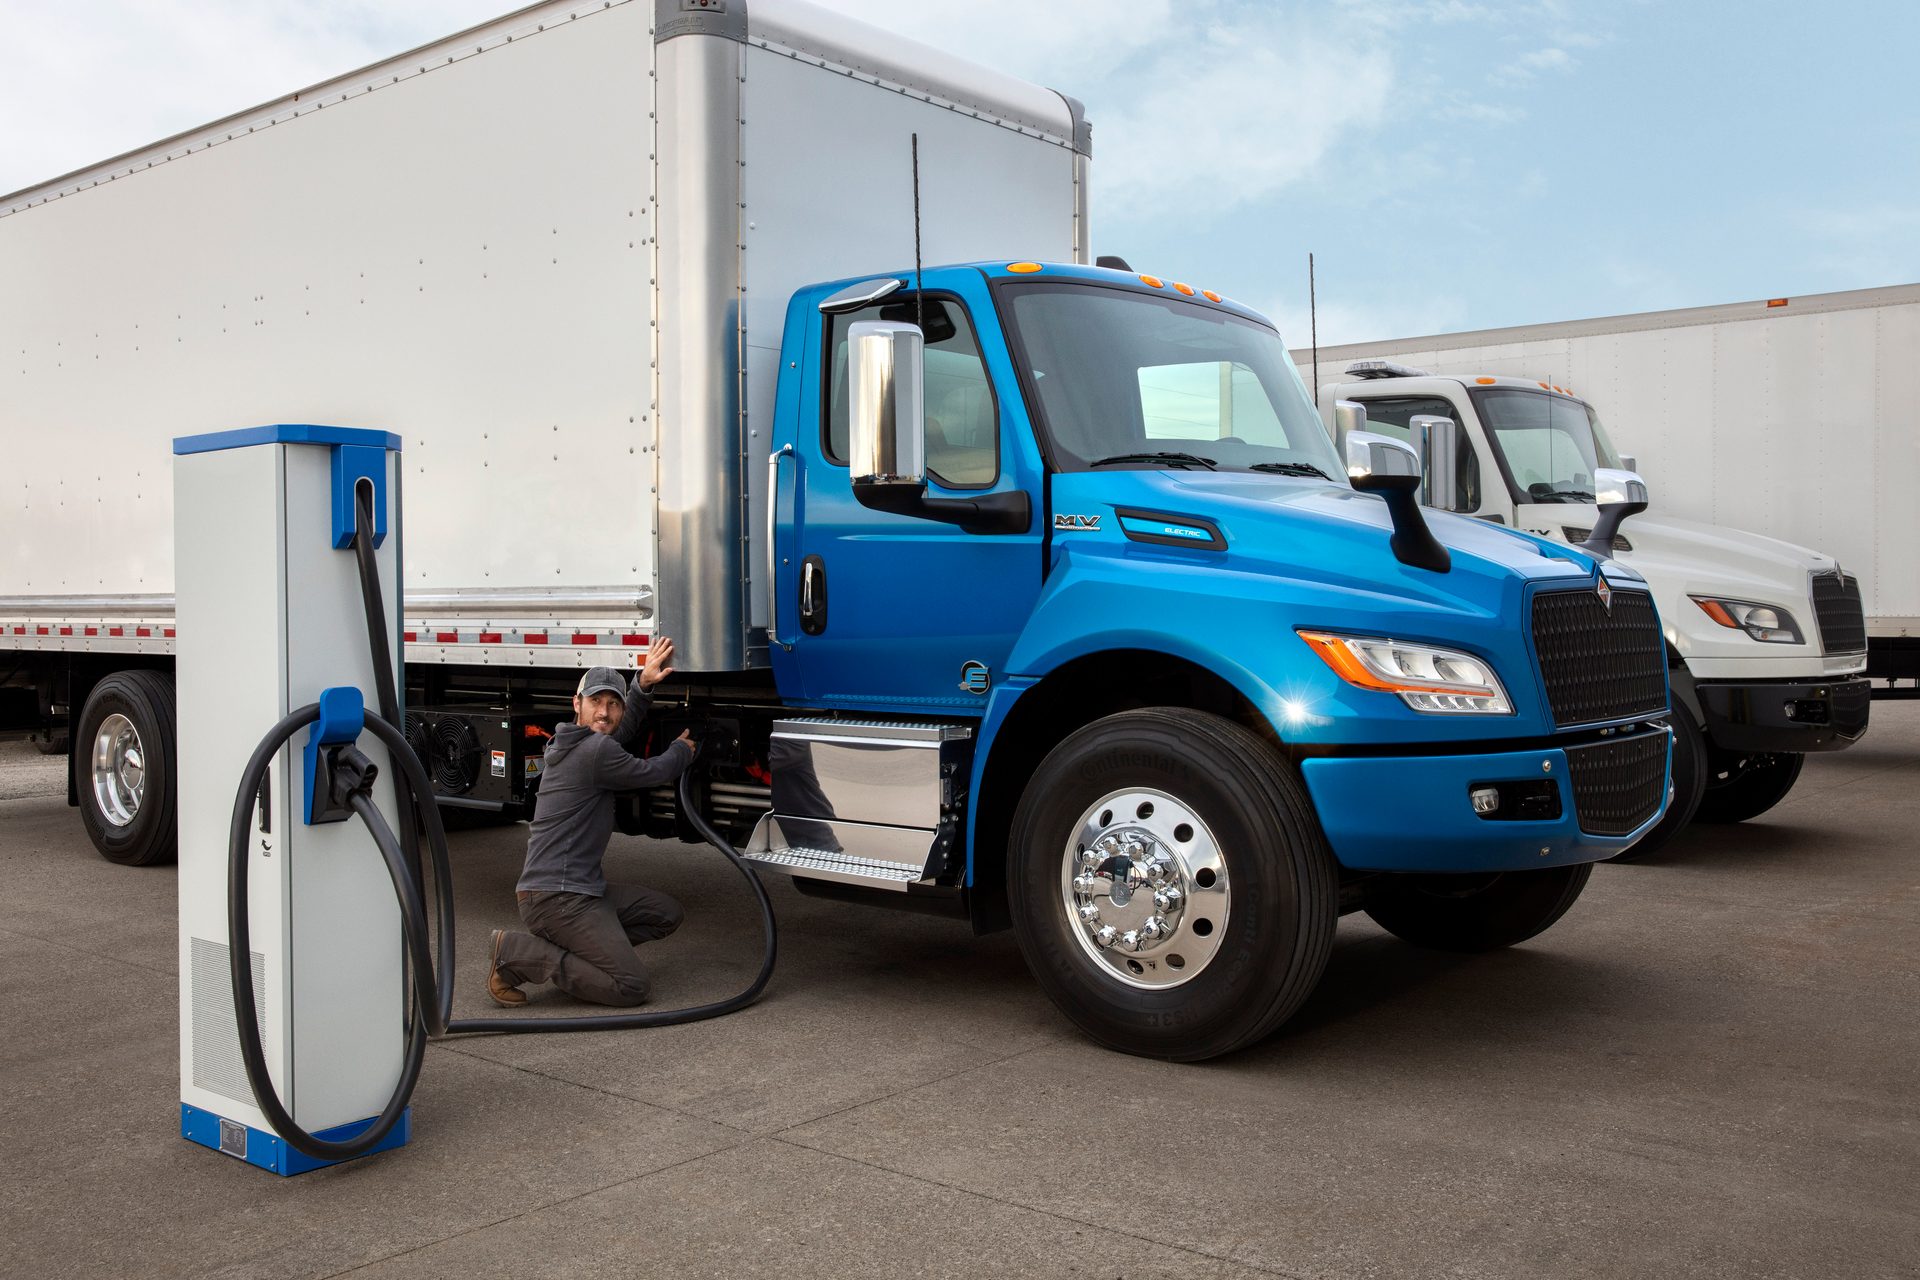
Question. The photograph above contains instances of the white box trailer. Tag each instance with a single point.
(535, 248)
(1790, 417)
(553, 253)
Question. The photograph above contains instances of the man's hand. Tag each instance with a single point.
(656, 668)
(686, 736)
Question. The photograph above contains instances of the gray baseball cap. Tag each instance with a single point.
(601, 680)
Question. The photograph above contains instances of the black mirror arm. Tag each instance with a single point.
(990, 513)
(1413, 542)
(1599, 543)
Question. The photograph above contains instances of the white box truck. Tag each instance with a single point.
(975, 613)
(1717, 393)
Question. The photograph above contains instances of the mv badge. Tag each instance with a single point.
(975, 678)
(1063, 521)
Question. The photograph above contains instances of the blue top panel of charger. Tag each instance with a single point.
(285, 433)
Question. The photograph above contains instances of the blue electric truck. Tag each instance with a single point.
(1027, 591)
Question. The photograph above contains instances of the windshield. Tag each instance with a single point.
(1125, 379)
(1549, 445)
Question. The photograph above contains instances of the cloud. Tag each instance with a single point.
(1529, 65)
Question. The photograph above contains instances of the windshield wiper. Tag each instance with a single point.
(1564, 495)
(1180, 459)
(1289, 469)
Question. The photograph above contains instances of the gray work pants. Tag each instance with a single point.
(584, 945)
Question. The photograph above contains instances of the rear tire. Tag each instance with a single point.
(1689, 784)
(124, 768)
(1473, 912)
(1755, 784)
(1193, 848)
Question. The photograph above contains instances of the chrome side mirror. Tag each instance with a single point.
(1377, 462)
(1349, 416)
(1438, 440)
(887, 420)
(1380, 464)
(1619, 494)
(1629, 463)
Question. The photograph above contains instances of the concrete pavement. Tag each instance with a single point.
(1707, 1068)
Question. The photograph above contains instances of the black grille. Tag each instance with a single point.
(1618, 785)
(1836, 604)
(1600, 663)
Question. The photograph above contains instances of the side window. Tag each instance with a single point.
(963, 435)
(1395, 417)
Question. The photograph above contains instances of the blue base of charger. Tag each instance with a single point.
(269, 1150)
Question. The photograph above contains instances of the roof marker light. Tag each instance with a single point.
(1545, 387)
(1187, 289)
(1155, 281)
(1776, 302)
(1486, 382)
(1210, 295)
(1024, 268)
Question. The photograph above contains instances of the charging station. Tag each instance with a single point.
(271, 613)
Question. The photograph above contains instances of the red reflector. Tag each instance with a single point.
(67, 631)
(441, 637)
(409, 636)
(116, 631)
(534, 637)
(40, 631)
(145, 631)
(585, 637)
(19, 631)
(1776, 302)
(93, 631)
(633, 639)
(169, 634)
(489, 637)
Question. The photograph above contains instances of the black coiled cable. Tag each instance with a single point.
(430, 1006)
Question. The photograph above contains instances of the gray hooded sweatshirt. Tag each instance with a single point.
(573, 816)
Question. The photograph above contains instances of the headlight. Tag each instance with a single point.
(1763, 622)
(1443, 681)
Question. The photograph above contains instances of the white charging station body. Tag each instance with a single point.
(270, 613)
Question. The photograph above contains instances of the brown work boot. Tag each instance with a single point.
(503, 992)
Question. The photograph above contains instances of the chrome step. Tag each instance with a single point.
(823, 864)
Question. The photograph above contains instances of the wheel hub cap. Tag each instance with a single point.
(1144, 888)
(119, 770)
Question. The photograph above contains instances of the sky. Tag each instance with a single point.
(1451, 164)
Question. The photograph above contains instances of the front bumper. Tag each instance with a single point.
(1414, 813)
(1784, 716)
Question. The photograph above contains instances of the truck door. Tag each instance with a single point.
(894, 612)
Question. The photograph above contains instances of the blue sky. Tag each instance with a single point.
(1452, 164)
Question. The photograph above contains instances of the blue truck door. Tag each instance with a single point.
(892, 612)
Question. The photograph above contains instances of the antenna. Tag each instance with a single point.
(1313, 322)
(919, 297)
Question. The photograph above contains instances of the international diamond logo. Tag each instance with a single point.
(1605, 592)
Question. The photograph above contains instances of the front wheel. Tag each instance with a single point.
(123, 762)
(1171, 888)
(1747, 786)
(1473, 912)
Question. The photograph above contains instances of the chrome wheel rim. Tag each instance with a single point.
(119, 770)
(1145, 888)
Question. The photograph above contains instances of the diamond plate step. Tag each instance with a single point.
(823, 864)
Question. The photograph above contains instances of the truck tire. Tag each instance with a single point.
(1473, 912)
(123, 762)
(1170, 885)
(1754, 784)
(1689, 785)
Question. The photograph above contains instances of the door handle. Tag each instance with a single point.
(813, 595)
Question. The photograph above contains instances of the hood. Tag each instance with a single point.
(567, 738)
(1700, 558)
(1343, 534)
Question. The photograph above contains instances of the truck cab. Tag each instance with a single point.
(1067, 546)
(1765, 639)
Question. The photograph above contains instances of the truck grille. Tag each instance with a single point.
(1600, 663)
(1836, 605)
(1618, 785)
